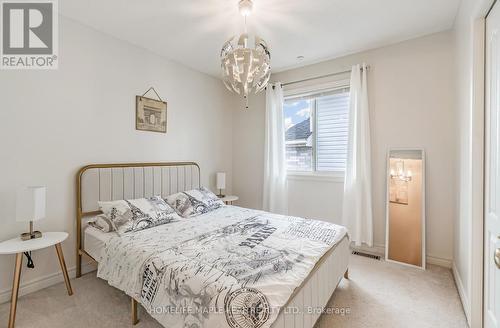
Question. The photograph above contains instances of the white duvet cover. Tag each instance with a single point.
(232, 267)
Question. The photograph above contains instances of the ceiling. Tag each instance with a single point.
(192, 31)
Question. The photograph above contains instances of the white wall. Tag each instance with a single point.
(467, 257)
(411, 90)
(53, 122)
(316, 197)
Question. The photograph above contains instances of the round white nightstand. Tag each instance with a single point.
(18, 247)
(229, 199)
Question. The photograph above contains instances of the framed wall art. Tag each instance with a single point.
(150, 114)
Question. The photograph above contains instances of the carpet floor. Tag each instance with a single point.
(378, 294)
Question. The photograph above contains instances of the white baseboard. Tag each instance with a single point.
(461, 292)
(379, 250)
(43, 282)
(446, 263)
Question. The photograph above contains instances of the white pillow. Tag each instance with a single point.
(138, 214)
(102, 223)
(194, 202)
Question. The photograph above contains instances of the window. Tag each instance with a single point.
(316, 131)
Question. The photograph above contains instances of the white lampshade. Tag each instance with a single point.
(221, 180)
(30, 204)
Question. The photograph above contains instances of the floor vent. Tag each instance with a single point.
(375, 257)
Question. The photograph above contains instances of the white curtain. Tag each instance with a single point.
(357, 204)
(275, 193)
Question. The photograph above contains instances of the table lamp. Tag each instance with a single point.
(221, 183)
(30, 206)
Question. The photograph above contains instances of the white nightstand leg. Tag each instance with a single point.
(15, 289)
(63, 268)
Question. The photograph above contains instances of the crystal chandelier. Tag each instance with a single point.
(245, 69)
(401, 174)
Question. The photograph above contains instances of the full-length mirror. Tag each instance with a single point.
(405, 226)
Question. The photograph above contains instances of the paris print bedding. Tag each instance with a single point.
(232, 267)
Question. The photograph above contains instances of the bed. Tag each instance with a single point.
(312, 277)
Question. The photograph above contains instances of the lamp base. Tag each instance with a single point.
(220, 195)
(31, 235)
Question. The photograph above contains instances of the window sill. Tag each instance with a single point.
(316, 176)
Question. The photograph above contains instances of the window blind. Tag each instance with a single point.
(316, 94)
(332, 119)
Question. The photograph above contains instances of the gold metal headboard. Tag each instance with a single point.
(101, 182)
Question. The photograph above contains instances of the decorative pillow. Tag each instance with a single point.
(138, 214)
(102, 223)
(194, 202)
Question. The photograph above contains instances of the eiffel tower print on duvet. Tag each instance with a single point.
(138, 214)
